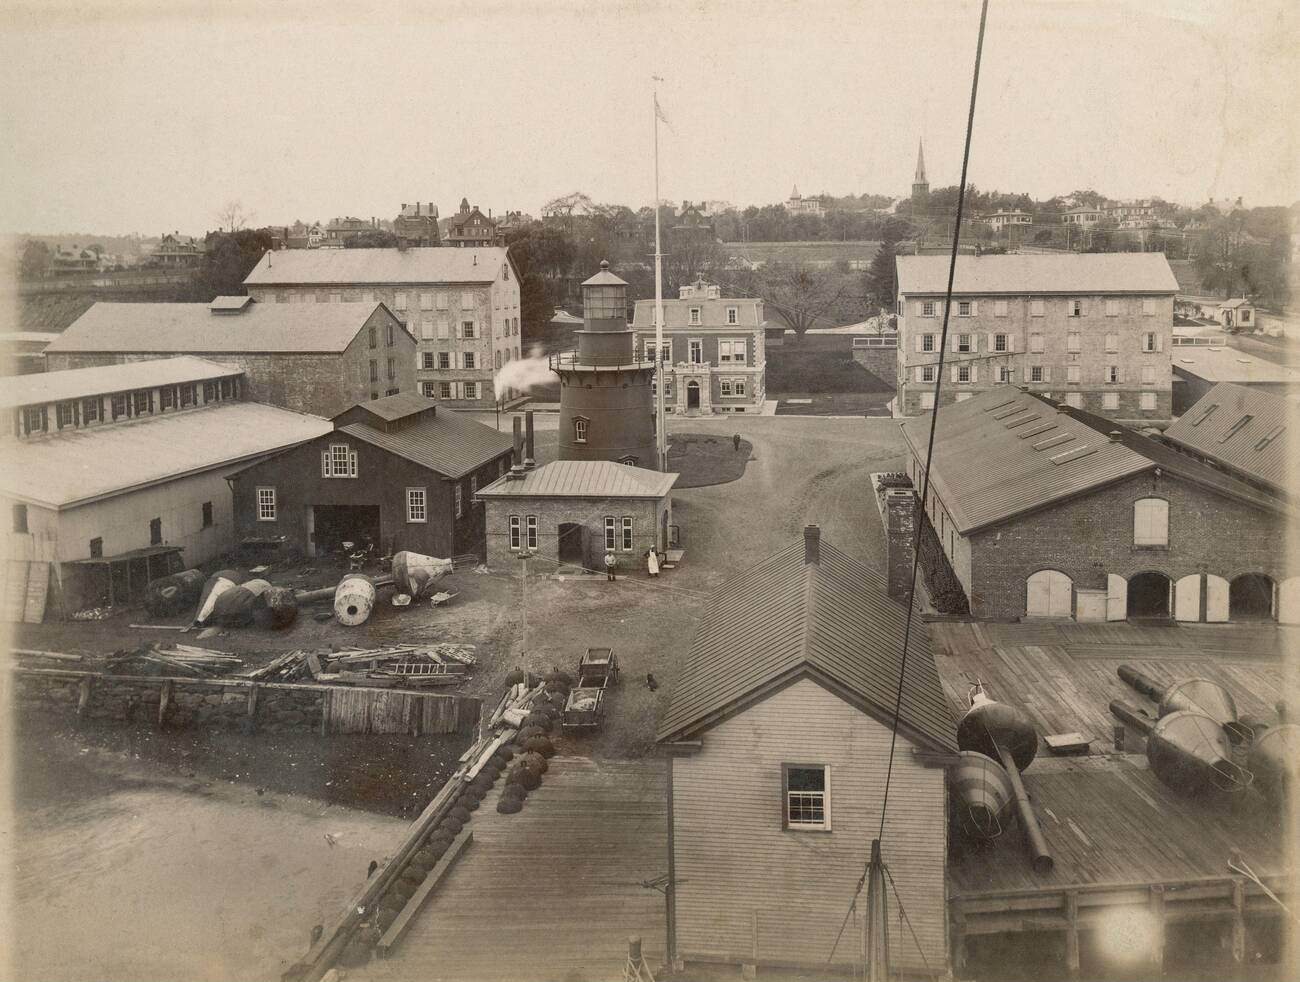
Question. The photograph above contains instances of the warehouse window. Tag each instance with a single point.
(90, 410)
(467, 329)
(67, 414)
(444, 359)
(611, 533)
(1076, 308)
(964, 343)
(374, 337)
(627, 533)
(1035, 373)
(963, 373)
(579, 430)
(444, 390)
(806, 796)
(209, 392)
(1148, 402)
(695, 315)
(532, 531)
(1112, 374)
(1036, 344)
(207, 514)
(1112, 342)
(927, 373)
(927, 308)
(392, 369)
(392, 336)
(374, 370)
(1073, 374)
(1000, 342)
(338, 461)
(155, 531)
(927, 400)
(117, 405)
(97, 548)
(1148, 375)
(141, 402)
(266, 504)
(1073, 342)
(963, 308)
(189, 396)
(426, 360)
(999, 308)
(1151, 522)
(514, 531)
(469, 360)
(726, 386)
(460, 500)
(20, 518)
(416, 505)
(1036, 308)
(1110, 400)
(733, 315)
(1149, 341)
(1112, 308)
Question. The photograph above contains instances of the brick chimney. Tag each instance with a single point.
(517, 461)
(529, 461)
(812, 545)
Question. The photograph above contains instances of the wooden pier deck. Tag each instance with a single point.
(551, 892)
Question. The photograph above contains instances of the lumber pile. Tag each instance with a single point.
(515, 705)
(172, 659)
(403, 665)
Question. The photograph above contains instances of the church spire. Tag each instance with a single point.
(920, 164)
(920, 184)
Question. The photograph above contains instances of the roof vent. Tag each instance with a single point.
(1062, 407)
(1115, 436)
(812, 548)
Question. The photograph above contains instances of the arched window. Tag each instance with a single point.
(579, 430)
(1151, 522)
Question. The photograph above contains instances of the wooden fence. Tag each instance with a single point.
(393, 711)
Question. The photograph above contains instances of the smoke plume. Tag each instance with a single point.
(525, 374)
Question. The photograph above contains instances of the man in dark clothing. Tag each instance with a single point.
(735, 442)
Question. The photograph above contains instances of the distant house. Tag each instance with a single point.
(1198, 369)
(341, 231)
(175, 251)
(1002, 219)
(318, 358)
(113, 472)
(21, 351)
(778, 737)
(797, 204)
(1130, 214)
(470, 228)
(693, 220)
(1083, 217)
(1237, 315)
(571, 512)
(1245, 430)
(399, 471)
(1047, 511)
(417, 224)
(72, 260)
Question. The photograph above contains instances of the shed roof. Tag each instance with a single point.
(78, 383)
(790, 617)
(193, 327)
(1216, 364)
(1109, 272)
(584, 479)
(432, 264)
(1006, 452)
(445, 442)
(396, 406)
(82, 465)
(1258, 448)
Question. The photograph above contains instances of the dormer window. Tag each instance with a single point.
(695, 315)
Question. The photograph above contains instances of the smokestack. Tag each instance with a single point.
(529, 461)
(517, 461)
(812, 544)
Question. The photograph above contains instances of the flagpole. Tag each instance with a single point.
(661, 437)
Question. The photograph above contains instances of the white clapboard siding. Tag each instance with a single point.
(737, 869)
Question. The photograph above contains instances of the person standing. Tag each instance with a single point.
(735, 442)
(652, 561)
(609, 564)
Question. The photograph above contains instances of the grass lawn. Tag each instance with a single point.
(819, 364)
(703, 460)
(832, 403)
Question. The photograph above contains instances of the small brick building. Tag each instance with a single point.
(1044, 510)
(398, 471)
(571, 511)
(310, 359)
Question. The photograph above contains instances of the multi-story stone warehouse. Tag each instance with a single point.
(1092, 330)
(112, 473)
(713, 350)
(1044, 510)
(317, 360)
(462, 306)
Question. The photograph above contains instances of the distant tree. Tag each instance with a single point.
(881, 279)
(229, 258)
(802, 294)
(527, 249)
(35, 261)
(690, 257)
(96, 248)
(377, 239)
(232, 217)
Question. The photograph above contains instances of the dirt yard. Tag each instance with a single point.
(799, 471)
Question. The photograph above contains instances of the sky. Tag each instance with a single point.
(129, 116)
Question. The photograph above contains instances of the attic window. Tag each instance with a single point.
(1210, 410)
(1269, 437)
(1236, 428)
(807, 794)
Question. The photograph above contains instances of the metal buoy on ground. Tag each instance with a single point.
(354, 600)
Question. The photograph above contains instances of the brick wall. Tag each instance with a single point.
(647, 517)
(1091, 536)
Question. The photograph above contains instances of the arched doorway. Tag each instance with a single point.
(1049, 593)
(692, 394)
(1148, 595)
(1250, 598)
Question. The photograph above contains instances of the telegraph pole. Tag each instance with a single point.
(661, 437)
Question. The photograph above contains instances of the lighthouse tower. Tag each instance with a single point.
(606, 409)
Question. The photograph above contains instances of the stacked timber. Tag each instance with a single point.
(393, 666)
(177, 660)
(515, 705)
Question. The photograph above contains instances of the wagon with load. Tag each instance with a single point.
(585, 707)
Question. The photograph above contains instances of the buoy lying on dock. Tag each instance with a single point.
(1197, 695)
(354, 600)
(1188, 750)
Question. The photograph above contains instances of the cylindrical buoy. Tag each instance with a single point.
(354, 599)
(169, 595)
(276, 608)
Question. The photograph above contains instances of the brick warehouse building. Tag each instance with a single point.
(462, 306)
(401, 471)
(310, 360)
(1093, 330)
(1043, 510)
(572, 511)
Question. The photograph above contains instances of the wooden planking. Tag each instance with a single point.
(363, 710)
(412, 909)
(553, 891)
(739, 870)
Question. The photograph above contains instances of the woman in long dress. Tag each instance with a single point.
(652, 562)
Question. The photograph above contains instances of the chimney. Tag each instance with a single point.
(812, 544)
(517, 461)
(529, 461)
(1115, 436)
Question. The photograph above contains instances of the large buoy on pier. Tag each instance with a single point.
(1275, 761)
(982, 795)
(354, 600)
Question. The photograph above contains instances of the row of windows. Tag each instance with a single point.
(374, 369)
(450, 390)
(732, 351)
(697, 314)
(435, 300)
(963, 373)
(1147, 401)
(967, 343)
(125, 405)
(390, 333)
(1111, 307)
(97, 544)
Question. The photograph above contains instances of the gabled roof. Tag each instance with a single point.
(1258, 448)
(396, 406)
(1006, 452)
(832, 620)
(193, 328)
(584, 479)
(446, 442)
(1103, 272)
(79, 383)
(79, 466)
(431, 264)
(1221, 364)
(1234, 304)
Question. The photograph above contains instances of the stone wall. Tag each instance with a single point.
(228, 703)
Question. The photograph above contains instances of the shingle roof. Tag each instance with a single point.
(80, 465)
(446, 442)
(77, 383)
(584, 479)
(1260, 448)
(786, 618)
(432, 264)
(1005, 452)
(1110, 272)
(1215, 364)
(192, 327)
(397, 406)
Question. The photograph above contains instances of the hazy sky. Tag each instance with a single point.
(129, 116)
